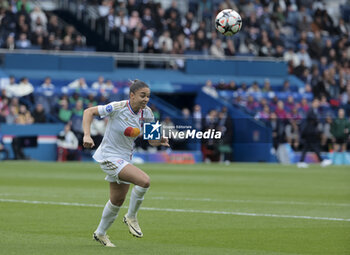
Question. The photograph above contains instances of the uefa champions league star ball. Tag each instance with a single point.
(228, 22)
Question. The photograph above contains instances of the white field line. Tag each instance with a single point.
(216, 200)
(249, 201)
(179, 210)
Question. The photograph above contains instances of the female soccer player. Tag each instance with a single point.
(115, 154)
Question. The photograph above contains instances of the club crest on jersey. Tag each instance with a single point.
(131, 132)
(109, 108)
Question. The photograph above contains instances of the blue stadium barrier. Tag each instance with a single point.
(31, 61)
(44, 136)
(237, 68)
(58, 62)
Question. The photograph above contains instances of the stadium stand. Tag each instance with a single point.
(312, 37)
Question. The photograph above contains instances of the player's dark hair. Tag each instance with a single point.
(136, 85)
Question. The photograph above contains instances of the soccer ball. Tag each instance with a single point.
(228, 22)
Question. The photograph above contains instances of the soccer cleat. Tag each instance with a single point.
(326, 162)
(103, 239)
(302, 165)
(133, 225)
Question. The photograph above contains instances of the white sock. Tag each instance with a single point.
(110, 212)
(136, 199)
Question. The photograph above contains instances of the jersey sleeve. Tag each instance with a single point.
(148, 115)
(111, 108)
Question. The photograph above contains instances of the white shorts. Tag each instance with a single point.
(112, 168)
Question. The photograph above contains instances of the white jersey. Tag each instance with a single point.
(124, 126)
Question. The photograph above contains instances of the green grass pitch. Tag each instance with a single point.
(53, 208)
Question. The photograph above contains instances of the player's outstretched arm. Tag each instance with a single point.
(162, 142)
(87, 119)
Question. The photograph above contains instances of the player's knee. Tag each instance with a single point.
(117, 201)
(146, 182)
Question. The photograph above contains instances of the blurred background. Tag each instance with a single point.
(257, 87)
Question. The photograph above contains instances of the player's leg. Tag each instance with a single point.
(316, 149)
(110, 212)
(343, 151)
(141, 180)
(301, 163)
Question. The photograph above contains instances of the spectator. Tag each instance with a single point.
(39, 114)
(277, 127)
(230, 48)
(292, 134)
(280, 111)
(225, 145)
(197, 117)
(36, 14)
(11, 88)
(286, 86)
(209, 89)
(267, 86)
(326, 135)
(165, 40)
(67, 145)
(64, 113)
(150, 47)
(147, 20)
(217, 50)
(12, 116)
(78, 84)
(4, 109)
(48, 87)
(289, 104)
(90, 100)
(254, 88)
(134, 20)
(210, 146)
(252, 105)
(340, 129)
(53, 27)
(186, 114)
(99, 84)
(78, 109)
(23, 42)
(67, 44)
(10, 43)
(25, 90)
(121, 21)
(98, 128)
(232, 86)
(304, 106)
(290, 55)
(304, 56)
(264, 114)
(24, 117)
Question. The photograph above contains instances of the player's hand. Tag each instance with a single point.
(88, 142)
(164, 142)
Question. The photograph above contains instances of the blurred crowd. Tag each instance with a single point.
(286, 111)
(300, 31)
(313, 37)
(25, 103)
(26, 26)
